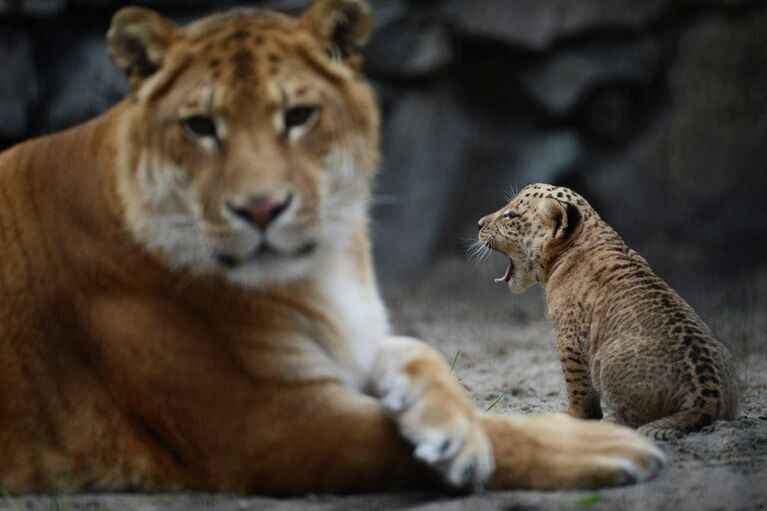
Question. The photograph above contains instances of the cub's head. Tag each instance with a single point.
(538, 224)
(249, 139)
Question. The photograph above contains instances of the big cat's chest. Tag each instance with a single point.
(328, 327)
(358, 318)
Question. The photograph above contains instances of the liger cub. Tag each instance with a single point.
(624, 335)
(187, 297)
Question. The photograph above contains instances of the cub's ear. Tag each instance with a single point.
(345, 24)
(562, 216)
(138, 40)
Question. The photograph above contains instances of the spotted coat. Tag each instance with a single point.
(624, 335)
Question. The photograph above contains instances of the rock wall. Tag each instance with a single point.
(656, 110)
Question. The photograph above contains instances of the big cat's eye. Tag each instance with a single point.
(298, 116)
(509, 216)
(199, 126)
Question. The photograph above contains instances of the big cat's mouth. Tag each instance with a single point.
(263, 253)
(509, 273)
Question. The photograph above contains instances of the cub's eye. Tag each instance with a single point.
(298, 116)
(199, 126)
(509, 216)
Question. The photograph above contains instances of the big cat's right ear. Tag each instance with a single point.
(138, 40)
(345, 24)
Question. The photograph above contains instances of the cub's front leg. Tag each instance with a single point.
(583, 399)
(432, 411)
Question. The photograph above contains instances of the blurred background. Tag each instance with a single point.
(655, 110)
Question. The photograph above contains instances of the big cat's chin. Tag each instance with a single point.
(266, 264)
(259, 274)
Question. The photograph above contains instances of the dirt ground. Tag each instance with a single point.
(508, 361)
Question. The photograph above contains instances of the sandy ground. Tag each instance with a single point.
(508, 361)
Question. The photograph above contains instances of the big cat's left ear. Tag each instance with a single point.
(138, 40)
(563, 217)
(345, 24)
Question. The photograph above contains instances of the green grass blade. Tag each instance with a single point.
(588, 500)
(497, 400)
(455, 360)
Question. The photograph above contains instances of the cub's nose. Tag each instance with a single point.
(260, 211)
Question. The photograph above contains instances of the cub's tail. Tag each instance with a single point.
(676, 425)
(712, 401)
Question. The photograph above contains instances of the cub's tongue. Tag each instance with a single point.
(507, 276)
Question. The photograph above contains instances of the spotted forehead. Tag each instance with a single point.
(242, 48)
(533, 193)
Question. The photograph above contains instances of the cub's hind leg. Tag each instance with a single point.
(701, 409)
(658, 392)
(712, 395)
(638, 386)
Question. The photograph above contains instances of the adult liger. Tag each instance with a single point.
(186, 292)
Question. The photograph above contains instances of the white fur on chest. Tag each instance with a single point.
(357, 312)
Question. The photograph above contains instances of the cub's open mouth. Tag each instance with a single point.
(509, 273)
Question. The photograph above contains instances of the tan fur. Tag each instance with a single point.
(148, 342)
(624, 334)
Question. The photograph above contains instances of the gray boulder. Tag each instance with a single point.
(610, 114)
(536, 24)
(697, 177)
(409, 48)
(42, 8)
(550, 159)
(559, 82)
(86, 81)
(19, 83)
(424, 140)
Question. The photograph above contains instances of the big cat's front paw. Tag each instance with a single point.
(442, 426)
(434, 413)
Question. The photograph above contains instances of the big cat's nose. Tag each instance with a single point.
(260, 211)
(481, 223)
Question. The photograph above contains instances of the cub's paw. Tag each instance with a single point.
(557, 451)
(434, 414)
